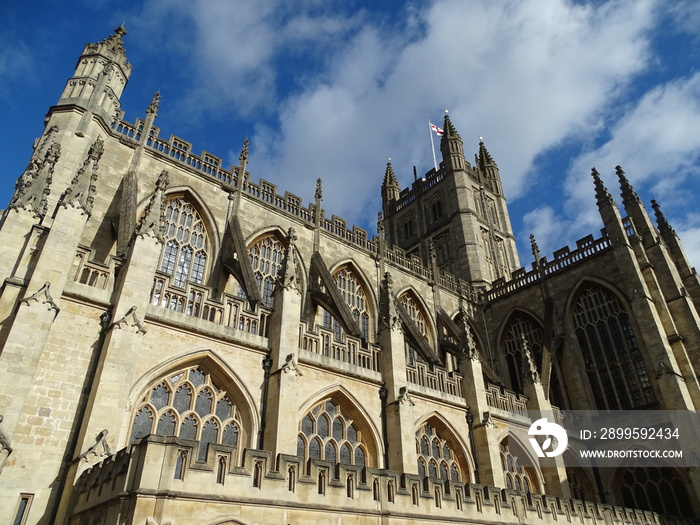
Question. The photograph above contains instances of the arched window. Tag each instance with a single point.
(614, 364)
(436, 458)
(188, 404)
(355, 297)
(184, 253)
(523, 328)
(657, 489)
(266, 256)
(328, 433)
(517, 477)
(415, 312)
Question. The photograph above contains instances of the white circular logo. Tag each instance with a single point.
(542, 427)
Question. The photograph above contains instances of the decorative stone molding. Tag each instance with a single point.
(487, 420)
(130, 320)
(34, 186)
(100, 440)
(291, 365)
(43, 296)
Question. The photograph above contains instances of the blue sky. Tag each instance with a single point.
(330, 89)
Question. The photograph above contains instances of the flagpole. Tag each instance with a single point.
(432, 143)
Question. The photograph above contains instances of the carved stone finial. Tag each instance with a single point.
(664, 225)
(114, 42)
(81, 192)
(535, 249)
(243, 157)
(153, 106)
(42, 296)
(469, 350)
(287, 277)
(380, 226)
(153, 220)
(130, 321)
(601, 192)
(34, 186)
(629, 196)
(319, 190)
(530, 372)
(389, 313)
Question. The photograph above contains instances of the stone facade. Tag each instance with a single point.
(182, 345)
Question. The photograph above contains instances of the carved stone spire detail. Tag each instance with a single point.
(530, 372)
(34, 186)
(602, 195)
(151, 224)
(664, 226)
(81, 192)
(153, 106)
(288, 279)
(389, 313)
(628, 194)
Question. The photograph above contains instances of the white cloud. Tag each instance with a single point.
(523, 74)
(657, 144)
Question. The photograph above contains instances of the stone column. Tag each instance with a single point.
(280, 433)
(401, 432)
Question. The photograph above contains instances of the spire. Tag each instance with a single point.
(664, 226)
(449, 131)
(452, 147)
(535, 249)
(628, 194)
(81, 192)
(114, 42)
(601, 192)
(153, 219)
(389, 177)
(153, 106)
(485, 158)
(34, 186)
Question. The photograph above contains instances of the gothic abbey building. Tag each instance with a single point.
(182, 345)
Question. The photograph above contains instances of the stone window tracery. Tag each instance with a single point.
(266, 256)
(328, 433)
(185, 251)
(188, 404)
(656, 489)
(614, 364)
(517, 477)
(415, 312)
(436, 459)
(524, 329)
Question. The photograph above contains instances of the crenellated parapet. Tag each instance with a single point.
(276, 485)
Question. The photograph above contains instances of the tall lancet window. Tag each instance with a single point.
(266, 256)
(355, 297)
(614, 364)
(185, 251)
(415, 312)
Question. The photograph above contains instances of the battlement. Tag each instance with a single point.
(228, 478)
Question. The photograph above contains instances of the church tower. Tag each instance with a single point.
(460, 210)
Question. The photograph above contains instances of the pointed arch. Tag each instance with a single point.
(520, 470)
(447, 435)
(362, 277)
(617, 376)
(227, 385)
(368, 443)
(359, 297)
(520, 327)
(266, 253)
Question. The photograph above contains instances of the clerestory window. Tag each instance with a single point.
(266, 256)
(517, 476)
(185, 251)
(613, 361)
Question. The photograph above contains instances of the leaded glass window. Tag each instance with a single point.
(185, 252)
(436, 458)
(188, 404)
(266, 256)
(517, 476)
(656, 489)
(315, 441)
(614, 364)
(355, 297)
